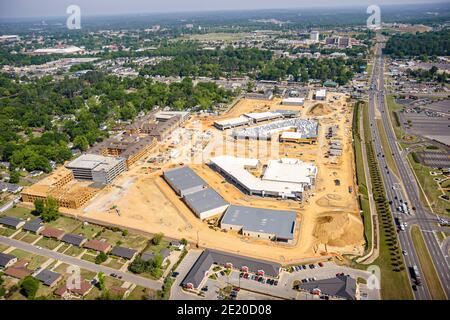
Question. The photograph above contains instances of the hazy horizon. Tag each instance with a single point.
(48, 8)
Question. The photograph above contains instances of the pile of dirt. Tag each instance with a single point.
(320, 109)
(339, 229)
(330, 200)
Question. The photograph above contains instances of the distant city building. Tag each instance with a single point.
(314, 36)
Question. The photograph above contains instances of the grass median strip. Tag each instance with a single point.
(427, 266)
(386, 148)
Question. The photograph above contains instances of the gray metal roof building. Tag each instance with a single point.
(341, 287)
(47, 277)
(147, 256)
(74, 239)
(123, 252)
(12, 222)
(6, 259)
(209, 257)
(206, 203)
(34, 226)
(260, 223)
(184, 180)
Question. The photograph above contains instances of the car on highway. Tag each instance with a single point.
(405, 253)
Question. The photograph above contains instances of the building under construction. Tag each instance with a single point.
(128, 146)
(62, 187)
(158, 125)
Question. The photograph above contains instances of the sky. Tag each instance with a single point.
(49, 8)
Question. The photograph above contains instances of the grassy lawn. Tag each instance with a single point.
(427, 266)
(20, 235)
(30, 237)
(19, 212)
(430, 187)
(142, 293)
(65, 223)
(35, 260)
(393, 108)
(6, 232)
(133, 241)
(74, 251)
(3, 247)
(63, 248)
(89, 231)
(157, 248)
(48, 243)
(114, 263)
(386, 148)
(360, 172)
(89, 257)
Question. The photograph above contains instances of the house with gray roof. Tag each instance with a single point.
(12, 222)
(277, 225)
(184, 180)
(48, 278)
(34, 226)
(206, 203)
(74, 239)
(340, 287)
(10, 187)
(123, 252)
(7, 260)
(147, 256)
(200, 269)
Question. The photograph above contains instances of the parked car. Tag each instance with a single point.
(320, 264)
(304, 267)
(275, 283)
(175, 274)
(205, 288)
(237, 289)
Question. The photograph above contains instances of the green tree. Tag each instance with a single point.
(14, 176)
(39, 207)
(81, 142)
(156, 240)
(101, 257)
(29, 286)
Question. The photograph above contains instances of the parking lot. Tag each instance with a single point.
(250, 289)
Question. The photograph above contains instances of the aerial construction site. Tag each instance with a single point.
(271, 179)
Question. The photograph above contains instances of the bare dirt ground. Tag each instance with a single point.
(328, 221)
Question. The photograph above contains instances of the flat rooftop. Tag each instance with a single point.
(93, 162)
(277, 222)
(236, 168)
(290, 170)
(205, 200)
(184, 178)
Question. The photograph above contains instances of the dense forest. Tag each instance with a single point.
(40, 119)
(215, 63)
(304, 69)
(423, 45)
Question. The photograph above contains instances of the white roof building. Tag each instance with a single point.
(286, 178)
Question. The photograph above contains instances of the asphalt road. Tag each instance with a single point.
(148, 283)
(404, 187)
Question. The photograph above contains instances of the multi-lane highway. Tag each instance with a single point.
(403, 187)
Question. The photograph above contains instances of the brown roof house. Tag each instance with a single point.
(97, 245)
(52, 233)
(19, 270)
(67, 292)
